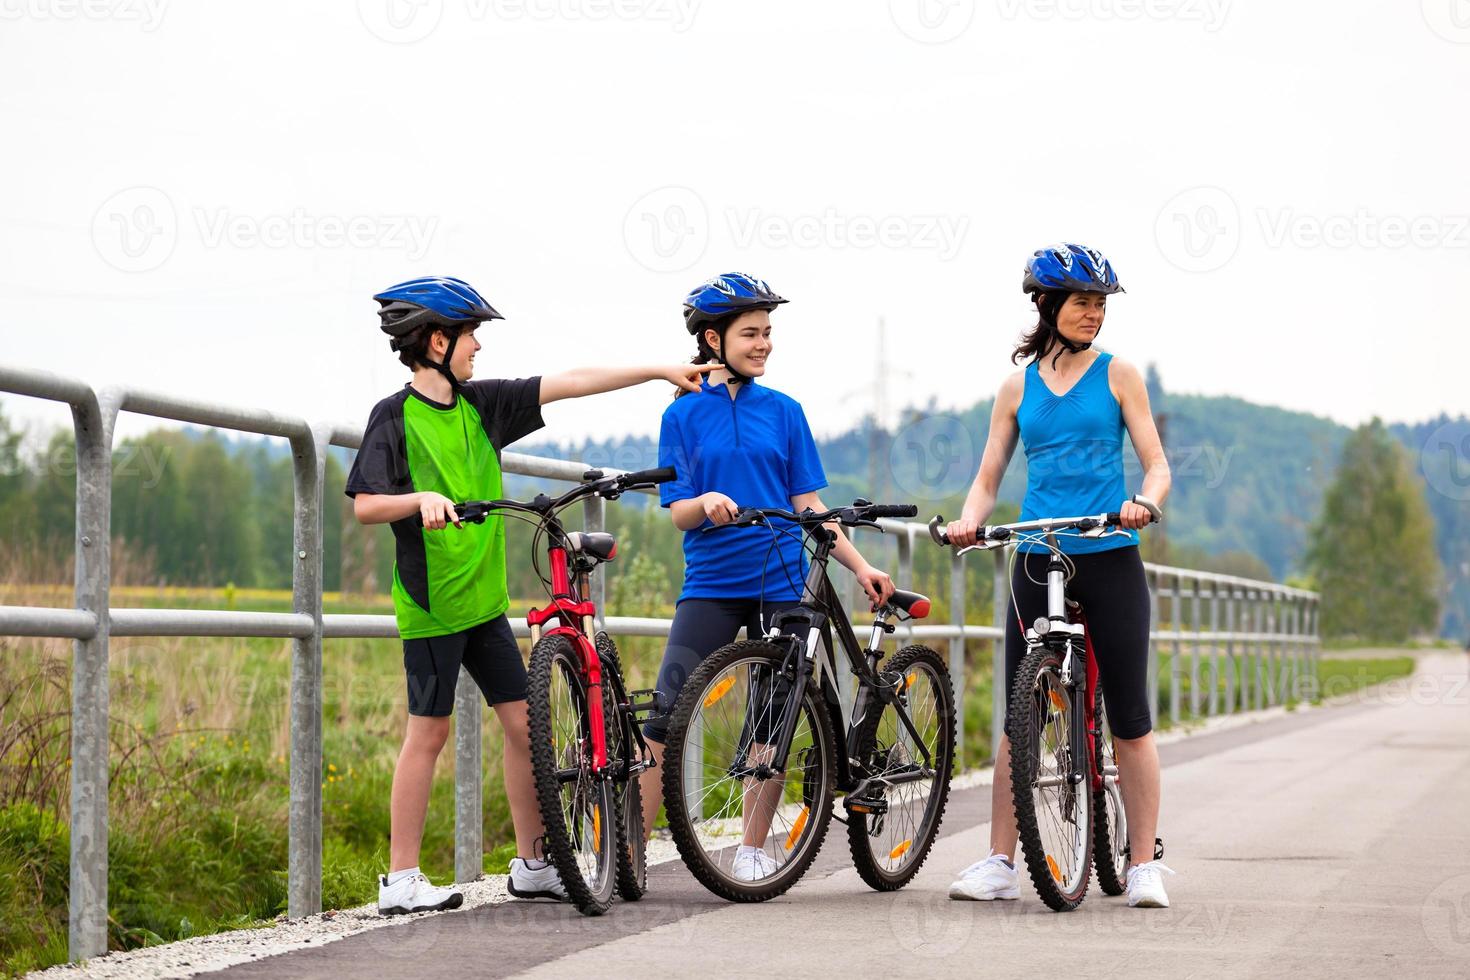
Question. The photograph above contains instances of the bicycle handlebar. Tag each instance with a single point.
(860, 513)
(994, 535)
(608, 487)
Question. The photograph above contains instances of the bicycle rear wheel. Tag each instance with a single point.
(1049, 782)
(632, 872)
(720, 791)
(1110, 822)
(890, 836)
(578, 805)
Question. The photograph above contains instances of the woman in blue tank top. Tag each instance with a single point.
(1070, 406)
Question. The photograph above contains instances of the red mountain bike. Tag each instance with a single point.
(587, 747)
(1060, 740)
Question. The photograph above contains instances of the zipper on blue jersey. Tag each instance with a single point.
(735, 416)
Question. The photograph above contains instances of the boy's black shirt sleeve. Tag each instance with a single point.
(510, 408)
(381, 465)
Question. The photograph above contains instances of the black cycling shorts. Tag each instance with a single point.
(1113, 591)
(489, 653)
(700, 627)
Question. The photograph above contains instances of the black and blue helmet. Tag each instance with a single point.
(1069, 268)
(730, 292)
(430, 301)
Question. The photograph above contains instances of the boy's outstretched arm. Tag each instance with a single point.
(595, 380)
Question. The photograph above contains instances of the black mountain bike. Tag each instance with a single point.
(753, 761)
(1064, 776)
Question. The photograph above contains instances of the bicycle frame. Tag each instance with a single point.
(808, 630)
(574, 616)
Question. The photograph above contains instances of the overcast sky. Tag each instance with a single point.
(202, 198)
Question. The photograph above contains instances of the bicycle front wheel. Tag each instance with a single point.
(746, 830)
(893, 824)
(1049, 784)
(578, 805)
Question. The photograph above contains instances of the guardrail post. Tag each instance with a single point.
(304, 877)
(594, 511)
(1213, 706)
(469, 812)
(1258, 647)
(1196, 696)
(1232, 674)
(957, 649)
(1176, 662)
(1000, 597)
(905, 544)
(92, 422)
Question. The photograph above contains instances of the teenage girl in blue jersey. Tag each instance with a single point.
(1070, 406)
(735, 444)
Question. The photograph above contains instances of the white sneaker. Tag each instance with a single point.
(986, 881)
(528, 882)
(753, 865)
(1146, 885)
(415, 894)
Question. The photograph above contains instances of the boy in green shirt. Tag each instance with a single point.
(437, 441)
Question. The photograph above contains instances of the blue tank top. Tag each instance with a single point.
(1074, 454)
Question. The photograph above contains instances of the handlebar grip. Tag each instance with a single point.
(1150, 506)
(892, 510)
(663, 474)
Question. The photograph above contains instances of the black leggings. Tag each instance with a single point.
(700, 627)
(1113, 592)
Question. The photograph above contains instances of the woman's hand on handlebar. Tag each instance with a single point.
(719, 508)
(963, 532)
(1134, 516)
(437, 511)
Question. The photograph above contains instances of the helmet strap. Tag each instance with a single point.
(443, 366)
(718, 355)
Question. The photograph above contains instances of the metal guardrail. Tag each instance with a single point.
(1268, 642)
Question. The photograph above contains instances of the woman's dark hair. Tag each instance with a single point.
(1040, 338)
(705, 353)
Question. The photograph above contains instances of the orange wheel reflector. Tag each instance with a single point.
(898, 851)
(1057, 701)
(1056, 872)
(908, 681)
(720, 690)
(597, 830)
(797, 827)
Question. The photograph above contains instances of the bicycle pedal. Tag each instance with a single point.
(872, 807)
(649, 701)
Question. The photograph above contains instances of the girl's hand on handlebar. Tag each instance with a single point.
(1133, 516)
(963, 532)
(719, 508)
(437, 511)
(876, 584)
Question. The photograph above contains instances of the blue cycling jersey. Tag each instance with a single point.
(757, 449)
(1074, 454)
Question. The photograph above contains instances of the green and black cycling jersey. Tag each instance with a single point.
(446, 581)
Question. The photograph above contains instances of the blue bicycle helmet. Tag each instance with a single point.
(428, 303)
(1069, 268)
(732, 292)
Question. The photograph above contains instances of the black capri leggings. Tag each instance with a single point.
(1114, 594)
(700, 627)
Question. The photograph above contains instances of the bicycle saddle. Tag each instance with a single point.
(911, 604)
